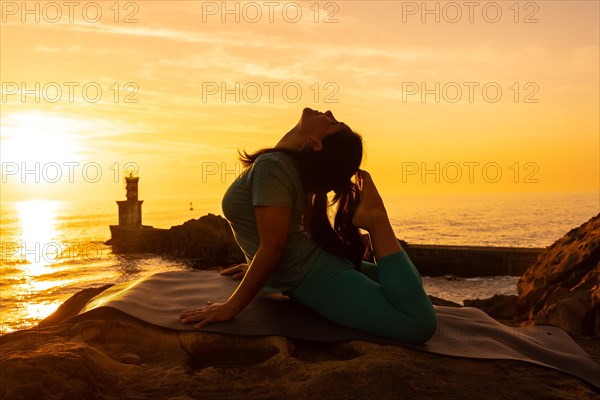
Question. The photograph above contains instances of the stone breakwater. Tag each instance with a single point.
(209, 242)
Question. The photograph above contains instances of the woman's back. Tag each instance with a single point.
(272, 180)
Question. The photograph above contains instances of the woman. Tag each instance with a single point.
(277, 209)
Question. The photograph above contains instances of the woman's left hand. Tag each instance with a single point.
(211, 312)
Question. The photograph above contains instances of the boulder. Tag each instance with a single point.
(499, 306)
(204, 243)
(209, 241)
(562, 288)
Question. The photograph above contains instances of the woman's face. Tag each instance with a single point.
(317, 125)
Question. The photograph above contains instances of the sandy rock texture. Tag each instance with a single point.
(563, 287)
(107, 355)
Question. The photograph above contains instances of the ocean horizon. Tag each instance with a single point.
(52, 249)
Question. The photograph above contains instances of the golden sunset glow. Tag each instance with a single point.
(480, 123)
(41, 310)
(37, 255)
(38, 233)
(35, 136)
(502, 97)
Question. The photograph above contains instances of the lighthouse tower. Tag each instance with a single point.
(130, 210)
(130, 236)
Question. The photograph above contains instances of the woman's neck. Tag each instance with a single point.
(291, 140)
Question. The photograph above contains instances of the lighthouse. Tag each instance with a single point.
(130, 210)
(130, 236)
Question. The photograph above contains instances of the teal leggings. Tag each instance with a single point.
(386, 299)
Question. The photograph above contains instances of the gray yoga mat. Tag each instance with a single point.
(462, 332)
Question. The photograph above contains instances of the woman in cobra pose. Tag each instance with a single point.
(277, 209)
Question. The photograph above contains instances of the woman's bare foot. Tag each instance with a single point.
(372, 216)
(370, 207)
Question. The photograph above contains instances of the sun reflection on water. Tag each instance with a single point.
(40, 310)
(37, 251)
(37, 234)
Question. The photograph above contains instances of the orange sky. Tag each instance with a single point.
(378, 65)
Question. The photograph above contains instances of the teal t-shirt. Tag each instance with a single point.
(272, 180)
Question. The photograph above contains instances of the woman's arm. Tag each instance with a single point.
(273, 226)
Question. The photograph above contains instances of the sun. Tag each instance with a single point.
(36, 136)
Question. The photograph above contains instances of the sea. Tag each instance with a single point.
(53, 249)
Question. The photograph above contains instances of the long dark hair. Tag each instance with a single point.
(330, 169)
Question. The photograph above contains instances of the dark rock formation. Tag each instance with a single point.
(206, 242)
(563, 287)
(499, 306)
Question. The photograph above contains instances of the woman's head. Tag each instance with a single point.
(314, 126)
(328, 152)
(331, 169)
(328, 155)
(332, 166)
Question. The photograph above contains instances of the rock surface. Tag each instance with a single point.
(82, 358)
(206, 242)
(130, 358)
(499, 306)
(563, 287)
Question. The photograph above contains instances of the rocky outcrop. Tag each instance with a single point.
(109, 355)
(208, 239)
(500, 306)
(205, 242)
(563, 287)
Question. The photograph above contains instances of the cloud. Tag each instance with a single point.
(216, 37)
